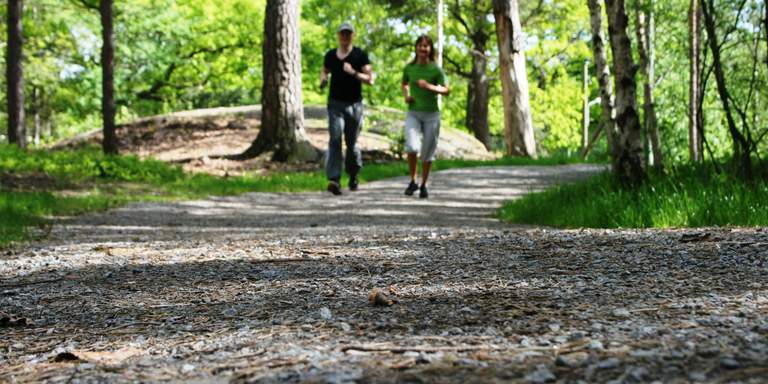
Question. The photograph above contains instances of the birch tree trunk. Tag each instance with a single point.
(282, 111)
(17, 133)
(109, 142)
(604, 79)
(631, 169)
(645, 27)
(518, 122)
(694, 54)
(585, 109)
(440, 34)
(36, 106)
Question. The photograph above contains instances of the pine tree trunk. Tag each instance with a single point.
(694, 54)
(645, 44)
(604, 80)
(17, 133)
(282, 110)
(518, 122)
(631, 169)
(477, 98)
(109, 142)
(742, 147)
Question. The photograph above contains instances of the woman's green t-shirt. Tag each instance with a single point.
(424, 100)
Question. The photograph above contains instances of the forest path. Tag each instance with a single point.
(274, 288)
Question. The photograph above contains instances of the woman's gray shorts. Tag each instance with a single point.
(421, 132)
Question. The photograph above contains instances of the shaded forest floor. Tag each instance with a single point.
(199, 140)
(274, 288)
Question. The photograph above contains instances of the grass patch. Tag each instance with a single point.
(687, 197)
(103, 182)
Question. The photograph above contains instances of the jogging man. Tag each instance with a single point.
(349, 68)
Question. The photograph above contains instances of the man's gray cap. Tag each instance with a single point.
(346, 27)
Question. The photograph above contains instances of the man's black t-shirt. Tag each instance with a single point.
(345, 87)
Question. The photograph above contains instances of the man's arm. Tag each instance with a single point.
(323, 77)
(365, 76)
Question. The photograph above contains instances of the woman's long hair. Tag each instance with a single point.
(431, 48)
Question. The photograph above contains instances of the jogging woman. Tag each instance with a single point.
(423, 80)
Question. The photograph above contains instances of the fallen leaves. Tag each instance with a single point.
(377, 297)
(8, 322)
(66, 357)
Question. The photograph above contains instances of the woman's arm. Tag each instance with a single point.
(439, 89)
(407, 93)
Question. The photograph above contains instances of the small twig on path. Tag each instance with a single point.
(276, 261)
(424, 349)
(26, 283)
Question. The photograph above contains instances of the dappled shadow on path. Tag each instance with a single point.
(460, 198)
(519, 297)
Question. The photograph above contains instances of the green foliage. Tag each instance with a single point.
(688, 197)
(558, 128)
(182, 54)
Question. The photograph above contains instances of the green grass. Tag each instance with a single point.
(687, 197)
(101, 182)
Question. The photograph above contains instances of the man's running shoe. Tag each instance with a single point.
(334, 187)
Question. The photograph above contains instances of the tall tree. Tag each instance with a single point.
(440, 33)
(475, 26)
(629, 151)
(109, 141)
(694, 54)
(604, 79)
(17, 133)
(644, 14)
(742, 143)
(518, 122)
(282, 110)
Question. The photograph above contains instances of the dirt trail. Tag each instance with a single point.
(274, 288)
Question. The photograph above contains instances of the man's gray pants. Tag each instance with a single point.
(343, 119)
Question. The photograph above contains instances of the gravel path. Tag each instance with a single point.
(275, 288)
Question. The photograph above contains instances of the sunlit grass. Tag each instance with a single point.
(687, 197)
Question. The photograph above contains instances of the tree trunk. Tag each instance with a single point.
(440, 39)
(282, 111)
(694, 54)
(742, 147)
(645, 26)
(109, 141)
(36, 106)
(631, 169)
(585, 109)
(17, 133)
(604, 80)
(518, 122)
(477, 97)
